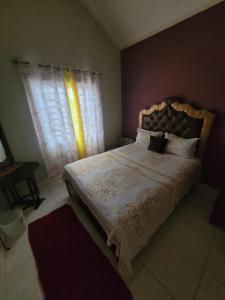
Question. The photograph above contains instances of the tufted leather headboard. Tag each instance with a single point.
(178, 117)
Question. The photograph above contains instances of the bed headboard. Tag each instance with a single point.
(176, 116)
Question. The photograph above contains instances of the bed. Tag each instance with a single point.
(131, 190)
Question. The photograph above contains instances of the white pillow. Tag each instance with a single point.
(179, 146)
(143, 136)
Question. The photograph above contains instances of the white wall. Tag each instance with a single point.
(52, 32)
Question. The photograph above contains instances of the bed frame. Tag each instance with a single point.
(172, 115)
(73, 194)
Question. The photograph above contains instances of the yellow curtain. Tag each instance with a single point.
(74, 104)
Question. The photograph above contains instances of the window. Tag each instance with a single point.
(67, 114)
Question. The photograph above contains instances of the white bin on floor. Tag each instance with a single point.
(12, 223)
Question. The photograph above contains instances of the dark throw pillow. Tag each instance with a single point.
(157, 144)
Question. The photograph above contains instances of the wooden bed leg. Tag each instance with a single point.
(68, 188)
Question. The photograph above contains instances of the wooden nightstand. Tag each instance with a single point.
(122, 141)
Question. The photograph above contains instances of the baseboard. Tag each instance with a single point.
(50, 180)
(2, 275)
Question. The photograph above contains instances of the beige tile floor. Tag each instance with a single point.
(184, 260)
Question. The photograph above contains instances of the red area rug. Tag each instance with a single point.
(70, 265)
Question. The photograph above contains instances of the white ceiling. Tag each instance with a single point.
(130, 21)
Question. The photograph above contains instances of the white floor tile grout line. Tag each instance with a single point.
(203, 270)
(185, 252)
(201, 265)
(2, 275)
(160, 283)
(199, 283)
(19, 265)
(215, 277)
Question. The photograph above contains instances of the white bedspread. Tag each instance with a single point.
(131, 191)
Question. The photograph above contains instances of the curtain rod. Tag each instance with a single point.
(16, 61)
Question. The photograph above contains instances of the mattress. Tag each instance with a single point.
(131, 191)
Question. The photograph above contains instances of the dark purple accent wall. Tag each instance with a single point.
(186, 60)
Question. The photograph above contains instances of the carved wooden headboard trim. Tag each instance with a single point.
(178, 112)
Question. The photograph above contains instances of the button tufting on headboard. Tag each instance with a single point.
(170, 120)
(177, 117)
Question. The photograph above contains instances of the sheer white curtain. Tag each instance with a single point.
(51, 113)
(91, 110)
(47, 98)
